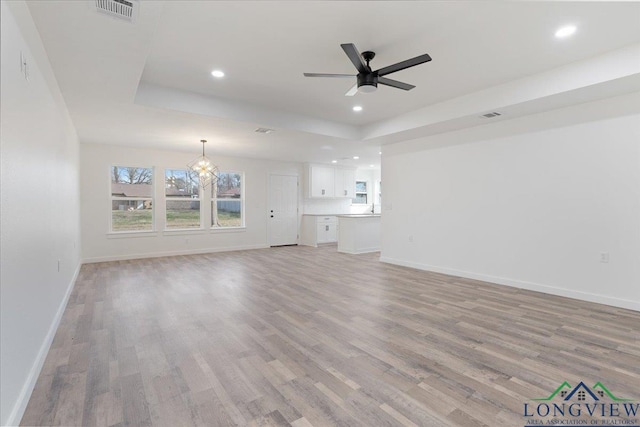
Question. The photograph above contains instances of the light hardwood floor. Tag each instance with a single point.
(303, 336)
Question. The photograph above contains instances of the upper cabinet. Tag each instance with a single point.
(324, 181)
(345, 182)
(321, 181)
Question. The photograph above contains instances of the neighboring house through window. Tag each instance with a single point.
(131, 198)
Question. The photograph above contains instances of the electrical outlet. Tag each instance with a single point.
(411, 238)
(604, 257)
(58, 266)
(186, 241)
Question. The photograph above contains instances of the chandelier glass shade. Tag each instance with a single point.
(206, 170)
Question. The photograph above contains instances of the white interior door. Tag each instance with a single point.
(283, 210)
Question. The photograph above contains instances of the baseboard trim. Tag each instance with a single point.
(25, 394)
(361, 251)
(552, 290)
(171, 253)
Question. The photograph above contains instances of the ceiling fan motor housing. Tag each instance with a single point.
(367, 82)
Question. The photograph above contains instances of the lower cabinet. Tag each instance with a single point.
(327, 233)
(319, 229)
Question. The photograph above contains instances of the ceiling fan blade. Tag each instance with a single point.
(353, 54)
(394, 83)
(329, 75)
(352, 91)
(404, 64)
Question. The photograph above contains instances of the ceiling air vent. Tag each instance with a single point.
(491, 115)
(264, 130)
(123, 9)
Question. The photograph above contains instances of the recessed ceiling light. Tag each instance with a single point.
(379, 152)
(565, 31)
(356, 157)
(217, 73)
(372, 166)
(334, 161)
(357, 108)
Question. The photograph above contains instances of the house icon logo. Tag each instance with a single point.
(581, 393)
(571, 404)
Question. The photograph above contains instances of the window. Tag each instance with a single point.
(182, 198)
(361, 193)
(131, 198)
(227, 200)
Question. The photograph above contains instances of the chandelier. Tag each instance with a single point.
(206, 170)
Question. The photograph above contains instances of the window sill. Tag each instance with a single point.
(182, 231)
(128, 234)
(228, 229)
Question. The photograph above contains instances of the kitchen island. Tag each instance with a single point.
(358, 234)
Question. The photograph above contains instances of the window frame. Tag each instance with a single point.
(113, 198)
(356, 193)
(214, 199)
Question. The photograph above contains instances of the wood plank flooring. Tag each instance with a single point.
(309, 337)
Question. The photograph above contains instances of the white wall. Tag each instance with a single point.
(100, 245)
(40, 210)
(530, 202)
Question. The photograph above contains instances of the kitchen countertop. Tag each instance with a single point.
(345, 215)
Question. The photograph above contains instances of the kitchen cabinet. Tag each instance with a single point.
(325, 182)
(345, 183)
(320, 181)
(318, 229)
(327, 232)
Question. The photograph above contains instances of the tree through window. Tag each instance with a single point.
(182, 198)
(227, 200)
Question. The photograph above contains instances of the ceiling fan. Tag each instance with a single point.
(368, 80)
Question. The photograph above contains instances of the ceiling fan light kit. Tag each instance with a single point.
(367, 80)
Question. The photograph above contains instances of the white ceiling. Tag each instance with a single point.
(264, 47)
